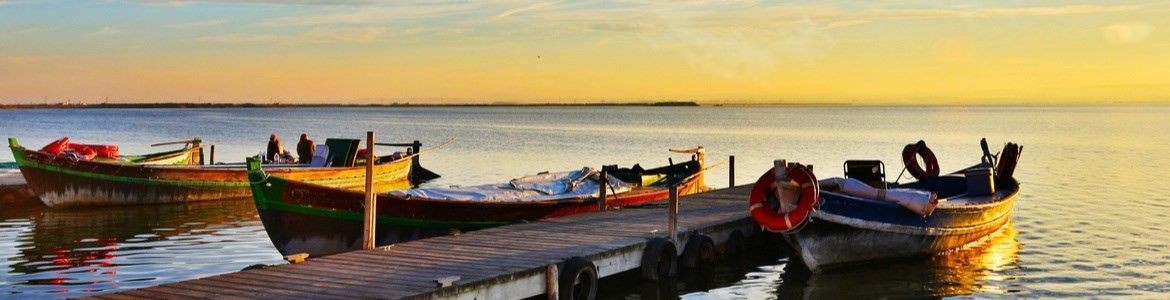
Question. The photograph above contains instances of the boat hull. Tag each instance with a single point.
(62, 182)
(848, 230)
(293, 211)
(825, 244)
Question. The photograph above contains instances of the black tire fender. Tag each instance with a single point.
(577, 279)
(699, 250)
(659, 259)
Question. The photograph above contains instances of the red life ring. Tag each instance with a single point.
(786, 222)
(911, 162)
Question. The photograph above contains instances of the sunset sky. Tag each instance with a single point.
(371, 51)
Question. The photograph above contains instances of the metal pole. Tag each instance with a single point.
(602, 197)
(371, 201)
(672, 215)
(731, 171)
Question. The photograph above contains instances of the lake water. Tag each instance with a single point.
(1091, 220)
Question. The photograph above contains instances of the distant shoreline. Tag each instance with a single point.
(310, 105)
(590, 104)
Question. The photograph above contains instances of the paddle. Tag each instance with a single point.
(191, 141)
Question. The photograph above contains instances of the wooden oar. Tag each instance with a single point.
(191, 141)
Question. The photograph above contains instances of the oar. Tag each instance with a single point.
(176, 142)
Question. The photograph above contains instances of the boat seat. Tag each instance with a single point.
(870, 172)
(321, 156)
(344, 151)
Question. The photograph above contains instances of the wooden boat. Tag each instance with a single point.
(61, 181)
(848, 230)
(302, 217)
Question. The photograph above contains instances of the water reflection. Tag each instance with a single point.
(81, 252)
(984, 268)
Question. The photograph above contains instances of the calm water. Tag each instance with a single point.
(1091, 219)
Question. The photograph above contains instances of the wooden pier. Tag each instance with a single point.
(508, 262)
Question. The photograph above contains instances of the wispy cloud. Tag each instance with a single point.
(238, 38)
(533, 7)
(1126, 32)
(107, 31)
(200, 24)
(315, 35)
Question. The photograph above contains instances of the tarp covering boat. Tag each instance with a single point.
(920, 202)
(577, 184)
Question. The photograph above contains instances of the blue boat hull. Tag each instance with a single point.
(848, 230)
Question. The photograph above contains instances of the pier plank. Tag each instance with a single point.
(506, 261)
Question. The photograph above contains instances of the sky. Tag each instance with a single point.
(373, 51)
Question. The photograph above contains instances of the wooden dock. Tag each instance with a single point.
(508, 262)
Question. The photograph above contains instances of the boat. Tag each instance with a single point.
(302, 217)
(863, 218)
(66, 181)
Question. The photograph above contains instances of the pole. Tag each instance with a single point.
(371, 201)
(672, 215)
(602, 197)
(212, 161)
(731, 171)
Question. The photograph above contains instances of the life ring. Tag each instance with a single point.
(775, 221)
(1006, 166)
(911, 162)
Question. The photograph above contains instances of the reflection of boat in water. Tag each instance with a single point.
(306, 218)
(858, 219)
(976, 269)
(13, 189)
(99, 249)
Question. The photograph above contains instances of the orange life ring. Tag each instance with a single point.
(911, 162)
(775, 221)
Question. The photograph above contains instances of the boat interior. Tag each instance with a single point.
(668, 175)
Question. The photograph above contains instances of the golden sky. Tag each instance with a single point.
(371, 51)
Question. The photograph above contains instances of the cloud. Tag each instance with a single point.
(535, 6)
(200, 24)
(239, 38)
(343, 35)
(1126, 33)
(267, 2)
(316, 35)
(107, 31)
(380, 14)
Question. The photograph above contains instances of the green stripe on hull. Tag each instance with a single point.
(269, 192)
(18, 153)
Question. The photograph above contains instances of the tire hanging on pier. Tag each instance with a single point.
(659, 259)
(770, 217)
(909, 158)
(577, 279)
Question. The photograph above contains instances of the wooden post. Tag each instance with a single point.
(731, 171)
(212, 160)
(551, 288)
(202, 161)
(414, 148)
(602, 197)
(371, 201)
(672, 215)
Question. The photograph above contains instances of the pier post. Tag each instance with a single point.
(731, 171)
(212, 160)
(370, 213)
(602, 198)
(672, 215)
